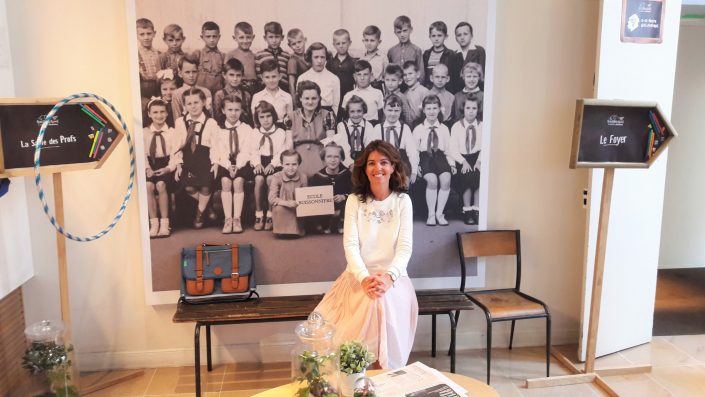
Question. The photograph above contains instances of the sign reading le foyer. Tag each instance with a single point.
(78, 134)
(618, 134)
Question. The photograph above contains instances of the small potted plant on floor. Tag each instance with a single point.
(354, 360)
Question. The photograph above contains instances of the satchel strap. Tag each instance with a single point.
(199, 267)
(235, 275)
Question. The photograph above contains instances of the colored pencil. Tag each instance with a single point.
(92, 116)
(652, 138)
(656, 122)
(95, 139)
(97, 147)
(96, 114)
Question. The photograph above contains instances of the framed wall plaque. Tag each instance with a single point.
(642, 21)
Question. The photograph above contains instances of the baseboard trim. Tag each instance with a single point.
(280, 351)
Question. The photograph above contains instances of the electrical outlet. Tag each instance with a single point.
(585, 198)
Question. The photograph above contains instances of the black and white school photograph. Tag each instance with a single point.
(253, 119)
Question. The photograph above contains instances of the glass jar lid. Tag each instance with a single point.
(45, 330)
(315, 328)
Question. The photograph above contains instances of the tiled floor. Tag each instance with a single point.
(678, 370)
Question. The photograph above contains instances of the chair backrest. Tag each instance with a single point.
(489, 243)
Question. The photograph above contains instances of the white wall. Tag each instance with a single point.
(15, 244)
(643, 72)
(683, 230)
(542, 66)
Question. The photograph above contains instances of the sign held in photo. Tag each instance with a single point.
(314, 201)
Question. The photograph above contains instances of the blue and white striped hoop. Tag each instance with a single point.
(38, 178)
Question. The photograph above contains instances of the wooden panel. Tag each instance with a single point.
(12, 342)
(490, 243)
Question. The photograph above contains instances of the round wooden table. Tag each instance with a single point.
(474, 387)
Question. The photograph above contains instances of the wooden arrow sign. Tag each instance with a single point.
(81, 135)
(618, 134)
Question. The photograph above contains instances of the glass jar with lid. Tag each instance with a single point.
(314, 360)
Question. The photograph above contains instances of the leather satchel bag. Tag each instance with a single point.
(214, 273)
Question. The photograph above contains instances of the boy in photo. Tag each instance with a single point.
(342, 64)
(405, 50)
(233, 71)
(415, 93)
(393, 75)
(469, 52)
(169, 60)
(148, 60)
(188, 71)
(209, 58)
(244, 35)
(371, 38)
(439, 79)
(373, 97)
(272, 92)
(273, 35)
(297, 62)
(439, 54)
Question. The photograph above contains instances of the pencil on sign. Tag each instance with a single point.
(657, 124)
(97, 146)
(96, 114)
(95, 140)
(92, 116)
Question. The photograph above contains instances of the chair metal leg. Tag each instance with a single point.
(433, 335)
(453, 328)
(511, 335)
(197, 357)
(489, 348)
(548, 346)
(451, 348)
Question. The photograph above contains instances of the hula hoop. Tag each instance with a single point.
(38, 178)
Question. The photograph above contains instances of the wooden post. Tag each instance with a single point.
(589, 375)
(64, 275)
(598, 273)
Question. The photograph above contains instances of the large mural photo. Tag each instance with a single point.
(253, 114)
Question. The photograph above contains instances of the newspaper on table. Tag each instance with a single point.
(416, 380)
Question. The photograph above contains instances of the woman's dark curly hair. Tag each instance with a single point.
(398, 182)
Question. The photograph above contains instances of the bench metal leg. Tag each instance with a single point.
(208, 348)
(433, 336)
(197, 357)
(453, 326)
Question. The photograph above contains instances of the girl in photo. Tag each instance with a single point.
(466, 141)
(270, 142)
(160, 145)
(233, 155)
(197, 170)
(432, 139)
(337, 175)
(282, 198)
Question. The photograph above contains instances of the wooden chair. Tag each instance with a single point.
(509, 304)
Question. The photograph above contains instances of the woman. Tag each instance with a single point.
(373, 300)
(309, 125)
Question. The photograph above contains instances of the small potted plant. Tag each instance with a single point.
(354, 359)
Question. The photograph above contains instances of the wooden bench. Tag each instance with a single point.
(293, 308)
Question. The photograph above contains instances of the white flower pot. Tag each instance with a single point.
(347, 382)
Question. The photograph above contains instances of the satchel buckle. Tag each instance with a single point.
(235, 279)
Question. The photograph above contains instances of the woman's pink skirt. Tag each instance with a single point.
(387, 325)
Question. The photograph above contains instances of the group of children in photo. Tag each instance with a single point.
(215, 121)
